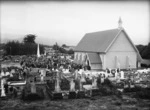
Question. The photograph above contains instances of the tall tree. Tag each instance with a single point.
(70, 51)
(141, 48)
(12, 48)
(30, 38)
(56, 46)
(144, 51)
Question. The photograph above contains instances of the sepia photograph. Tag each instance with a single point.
(75, 55)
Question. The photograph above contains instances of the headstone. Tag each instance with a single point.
(116, 74)
(72, 85)
(76, 74)
(2, 88)
(33, 87)
(42, 75)
(122, 74)
(94, 83)
(57, 81)
(80, 84)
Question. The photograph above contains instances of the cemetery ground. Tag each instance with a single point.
(125, 101)
(111, 102)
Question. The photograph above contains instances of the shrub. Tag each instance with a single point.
(32, 97)
(135, 89)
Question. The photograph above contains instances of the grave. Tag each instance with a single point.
(33, 87)
(80, 94)
(72, 85)
(72, 95)
(94, 90)
(57, 94)
(2, 88)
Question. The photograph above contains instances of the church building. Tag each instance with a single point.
(107, 49)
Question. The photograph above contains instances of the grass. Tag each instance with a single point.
(99, 103)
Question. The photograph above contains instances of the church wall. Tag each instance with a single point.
(122, 49)
(79, 56)
(93, 66)
(96, 66)
(122, 59)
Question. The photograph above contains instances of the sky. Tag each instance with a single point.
(67, 22)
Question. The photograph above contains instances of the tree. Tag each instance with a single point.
(56, 47)
(12, 48)
(64, 45)
(16, 48)
(141, 48)
(62, 50)
(144, 51)
(30, 38)
(71, 51)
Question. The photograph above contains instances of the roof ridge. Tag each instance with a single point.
(103, 30)
(97, 41)
(116, 36)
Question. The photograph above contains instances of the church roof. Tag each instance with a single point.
(100, 42)
(94, 58)
(97, 41)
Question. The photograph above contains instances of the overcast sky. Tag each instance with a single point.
(68, 22)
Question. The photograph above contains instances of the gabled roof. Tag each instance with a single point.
(94, 58)
(97, 41)
(101, 41)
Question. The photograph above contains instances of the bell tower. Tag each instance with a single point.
(120, 23)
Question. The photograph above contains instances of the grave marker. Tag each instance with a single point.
(2, 88)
